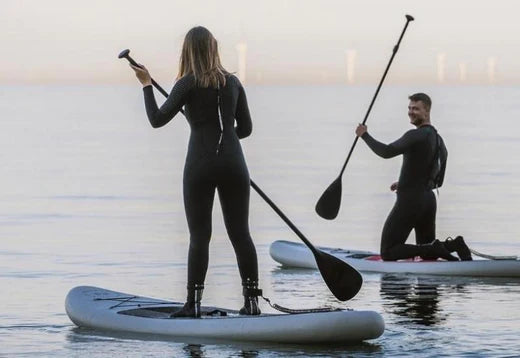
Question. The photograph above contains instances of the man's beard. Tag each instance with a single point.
(417, 121)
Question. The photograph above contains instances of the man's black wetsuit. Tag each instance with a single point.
(210, 165)
(416, 206)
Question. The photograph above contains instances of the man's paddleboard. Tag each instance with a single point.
(102, 309)
(292, 254)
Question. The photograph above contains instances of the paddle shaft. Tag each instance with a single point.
(284, 218)
(255, 187)
(396, 48)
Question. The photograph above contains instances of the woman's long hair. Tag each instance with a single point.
(200, 57)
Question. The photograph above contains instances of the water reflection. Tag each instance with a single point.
(248, 354)
(419, 299)
(301, 288)
(194, 351)
(80, 339)
(199, 351)
(414, 298)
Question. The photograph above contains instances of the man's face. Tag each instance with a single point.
(418, 113)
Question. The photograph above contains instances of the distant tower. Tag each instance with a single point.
(441, 64)
(463, 72)
(350, 59)
(491, 68)
(242, 56)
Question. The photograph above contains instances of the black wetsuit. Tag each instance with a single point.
(212, 162)
(424, 156)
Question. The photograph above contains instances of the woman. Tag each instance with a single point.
(213, 100)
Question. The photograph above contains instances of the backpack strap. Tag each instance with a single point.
(436, 156)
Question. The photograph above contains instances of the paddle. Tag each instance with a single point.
(343, 280)
(328, 205)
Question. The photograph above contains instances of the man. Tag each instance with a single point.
(423, 168)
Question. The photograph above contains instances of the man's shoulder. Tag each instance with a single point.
(425, 131)
(416, 132)
(417, 135)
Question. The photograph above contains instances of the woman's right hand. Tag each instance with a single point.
(142, 75)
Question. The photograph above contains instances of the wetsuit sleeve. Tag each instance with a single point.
(159, 117)
(393, 149)
(244, 124)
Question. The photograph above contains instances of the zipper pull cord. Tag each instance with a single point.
(221, 123)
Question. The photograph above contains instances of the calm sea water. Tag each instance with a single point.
(91, 195)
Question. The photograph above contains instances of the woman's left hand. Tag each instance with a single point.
(142, 75)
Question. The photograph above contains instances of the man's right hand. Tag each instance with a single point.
(394, 186)
(361, 129)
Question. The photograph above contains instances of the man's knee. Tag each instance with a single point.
(387, 254)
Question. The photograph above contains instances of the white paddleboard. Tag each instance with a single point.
(107, 310)
(292, 254)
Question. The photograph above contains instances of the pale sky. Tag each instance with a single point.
(288, 41)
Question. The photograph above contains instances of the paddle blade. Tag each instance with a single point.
(328, 205)
(343, 280)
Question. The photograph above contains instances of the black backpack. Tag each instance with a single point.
(438, 166)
